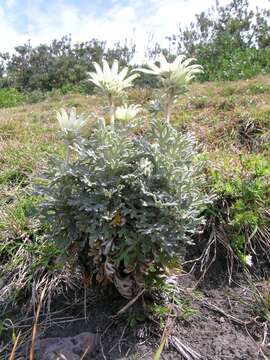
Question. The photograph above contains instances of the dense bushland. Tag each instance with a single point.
(59, 65)
(232, 41)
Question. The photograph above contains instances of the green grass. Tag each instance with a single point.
(17, 215)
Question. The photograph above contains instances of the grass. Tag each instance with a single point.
(216, 111)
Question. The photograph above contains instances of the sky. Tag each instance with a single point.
(44, 20)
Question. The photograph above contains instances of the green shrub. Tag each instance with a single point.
(242, 204)
(11, 97)
(235, 64)
(56, 94)
(83, 87)
(127, 205)
(231, 41)
(35, 96)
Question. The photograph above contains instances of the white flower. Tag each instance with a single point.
(146, 166)
(70, 123)
(110, 80)
(178, 73)
(174, 77)
(127, 113)
(247, 260)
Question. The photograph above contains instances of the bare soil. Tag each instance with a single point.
(218, 323)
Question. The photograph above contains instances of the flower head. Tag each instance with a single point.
(174, 77)
(127, 113)
(70, 123)
(110, 80)
(177, 73)
(247, 260)
(146, 166)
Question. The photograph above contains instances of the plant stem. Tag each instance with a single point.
(168, 106)
(168, 112)
(112, 110)
(68, 153)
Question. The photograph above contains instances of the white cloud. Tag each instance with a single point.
(10, 3)
(9, 36)
(53, 19)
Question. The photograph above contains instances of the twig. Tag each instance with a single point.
(102, 350)
(12, 355)
(264, 334)
(260, 350)
(130, 303)
(128, 351)
(121, 338)
(107, 328)
(85, 352)
(34, 332)
(119, 341)
(84, 303)
(217, 309)
(168, 328)
(184, 350)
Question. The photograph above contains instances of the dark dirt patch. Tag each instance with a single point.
(221, 325)
(217, 336)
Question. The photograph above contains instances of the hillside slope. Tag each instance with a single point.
(231, 122)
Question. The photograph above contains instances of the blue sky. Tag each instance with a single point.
(43, 20)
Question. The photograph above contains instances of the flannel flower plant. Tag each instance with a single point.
(174, 78)
(126, 206)
(112, 82)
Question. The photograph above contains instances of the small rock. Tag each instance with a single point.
(61, 355)
(65, 348)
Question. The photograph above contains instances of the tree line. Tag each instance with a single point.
(230, 42)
